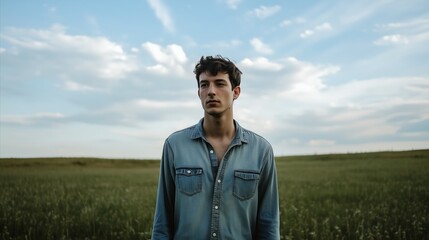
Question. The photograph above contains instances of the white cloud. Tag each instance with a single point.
(264, 12)
(341, 117)
(306, 33)
(290, 22)
(73, 55)
(168, 59)
(80, 64)
(286, 77)
(158, 69)
(233, 4)
(373, 114)
(260, 47)
(395, 91)
(324, 27)
(308, 78)
(421, 37)
(419, 23)
(392, 39)
(404, 33)
(167, 104)
(141, 111)
(162, 13)
(28, 119)
(75, 86)
(261, 63)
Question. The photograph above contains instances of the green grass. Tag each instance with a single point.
(345, 196)
(77, 198)
(356, 196)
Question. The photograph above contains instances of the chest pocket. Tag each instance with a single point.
(189, 180)
(245, 184)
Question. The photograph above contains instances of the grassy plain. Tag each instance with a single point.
(381, 195)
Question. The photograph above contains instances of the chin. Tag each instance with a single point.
(214, 113)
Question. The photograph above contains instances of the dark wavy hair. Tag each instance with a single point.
(216, 64)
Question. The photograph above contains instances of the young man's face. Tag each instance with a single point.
(216, 93)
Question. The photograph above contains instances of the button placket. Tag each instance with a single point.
(217, 193)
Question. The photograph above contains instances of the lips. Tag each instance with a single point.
(212, 101)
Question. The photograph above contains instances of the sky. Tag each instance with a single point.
(115, 78)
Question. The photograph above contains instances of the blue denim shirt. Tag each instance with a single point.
(200, 199)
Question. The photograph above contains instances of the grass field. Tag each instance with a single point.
(350, 196)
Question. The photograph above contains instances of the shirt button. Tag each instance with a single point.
(214, 234)
(216, 207)
(219, 181)
(189, 171)
(211, 151)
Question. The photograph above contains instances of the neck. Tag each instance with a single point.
(219, 127)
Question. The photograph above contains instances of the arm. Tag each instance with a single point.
(163, 224)
(268, 222)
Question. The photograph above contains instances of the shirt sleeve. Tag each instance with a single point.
(268, 222)
(163, 225)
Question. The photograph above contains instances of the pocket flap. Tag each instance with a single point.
(247, 175)
(189, 171)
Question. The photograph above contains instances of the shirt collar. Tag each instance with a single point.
(240, 133)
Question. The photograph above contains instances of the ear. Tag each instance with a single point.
(198, 92)
(236, 92)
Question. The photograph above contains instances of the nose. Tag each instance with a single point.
(211, 90)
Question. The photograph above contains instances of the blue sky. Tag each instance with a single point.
(114, 78)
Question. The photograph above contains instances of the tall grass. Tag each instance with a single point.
(349, 196)
(357, 196)
(77, 203)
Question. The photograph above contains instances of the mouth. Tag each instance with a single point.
(212, 102)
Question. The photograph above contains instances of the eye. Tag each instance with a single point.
(203, 84)
(221, 84)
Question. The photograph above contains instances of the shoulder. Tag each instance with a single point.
(259, 147)
(182, 134)
(254, 138)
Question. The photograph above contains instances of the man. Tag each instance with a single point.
(217, 179)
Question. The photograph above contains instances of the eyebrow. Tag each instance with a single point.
(216, 80)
